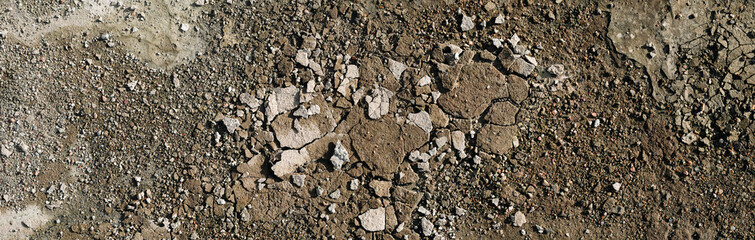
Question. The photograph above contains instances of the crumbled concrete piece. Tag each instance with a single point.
(689, 138)
(460, 211)
(514, 40)
(397, 68)
(302, 58)
(131, 85)
(184, 27)
(556, 70)
(424, 81)
(499, 20)
(281, 100)
(522, 67)
(378, 103)
(304, 112)
(452, 53)
(518, 220)
(466, 23)
(427, 227)
(5, 151)
(249, 100)
(340, 156)
(373, 220)
(352, 71)
(381, 188)
(353, 184)
(335, 194)
(290, 160)
(423, 167)
(332, 208)
(231, 124)
(295, 132)
(316, 68)
(616, 187)
(422, 120)
(298, 179)
(458, 140)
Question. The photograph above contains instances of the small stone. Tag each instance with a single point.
(352, 71)
(423, 167)
(290, 161)
(302, 58)
(381, 188)
(184, 27)
(298, 179)
(422, 210)
(499, 20)
(397, 68)
(231, 124)
(340, 156)
(458, 140)
(335, 194)
(378, 103)
(519, 219)
(5, 151)
(460, 211)
(490, 6)
(373, 220)
(332, 208)
(466, 23)
(556, 70)
(616, 187)
(427, 227)
(131, 85)
(422, 120)
(23, 147)
(249, 100)
(353, 184)
(424, 81)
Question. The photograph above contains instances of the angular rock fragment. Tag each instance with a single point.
(381, 188)
(231, 124)
(5, 151)
(298, 179)
(340, 156)
(378, 103)
(302, 58)
(281, 100)
(373, 220)
(352, 71)
(422, 120)
(458, 140)
(518, 220)
(466, 23)
(427, 227)
(289, 161)
(397, 68)
(424, 81)
(250, 101)
(297, 132)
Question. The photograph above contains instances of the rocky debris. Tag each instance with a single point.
(460, 211)
(231, 124)
(458, 140)
(378, 103)
(340, 156)
(518, 88)
(515, 58)
(466, 23)
(353, 184)
(479, 84)
(427, 227)
(352, 71)
(396, 68)
(616, 187)
(184, 27)
(502, 113)
(290, 160)
(302, 58)
(131, 85)
(250, 101)
(335, 194)
(5, 151)
(373, 220)
(518, 220)
(297, 132)
(281, 100)
(304, 112)
(452, 53)
(381, 188)
(497, 139)
(500, 19)
(422, 120)
(424, 81)
(298, 179)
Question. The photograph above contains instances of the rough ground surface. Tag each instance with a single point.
(493, 119)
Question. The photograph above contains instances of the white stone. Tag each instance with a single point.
(424, 81)
(290, 160)
(302, 58)
(422, 120)
(397, 68)
(340, 156)
(373, 220)
(466, 23)
(378, 103)
(231, 124)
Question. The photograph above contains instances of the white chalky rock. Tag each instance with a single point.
(290, 160)
(379, 102)
(373, 220)
(397, 68)
(422, 120)
(340, 156)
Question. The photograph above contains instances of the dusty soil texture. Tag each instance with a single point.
(377, 119)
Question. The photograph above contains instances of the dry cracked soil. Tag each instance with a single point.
(377, 119)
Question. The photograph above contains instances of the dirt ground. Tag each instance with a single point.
(377, 119)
